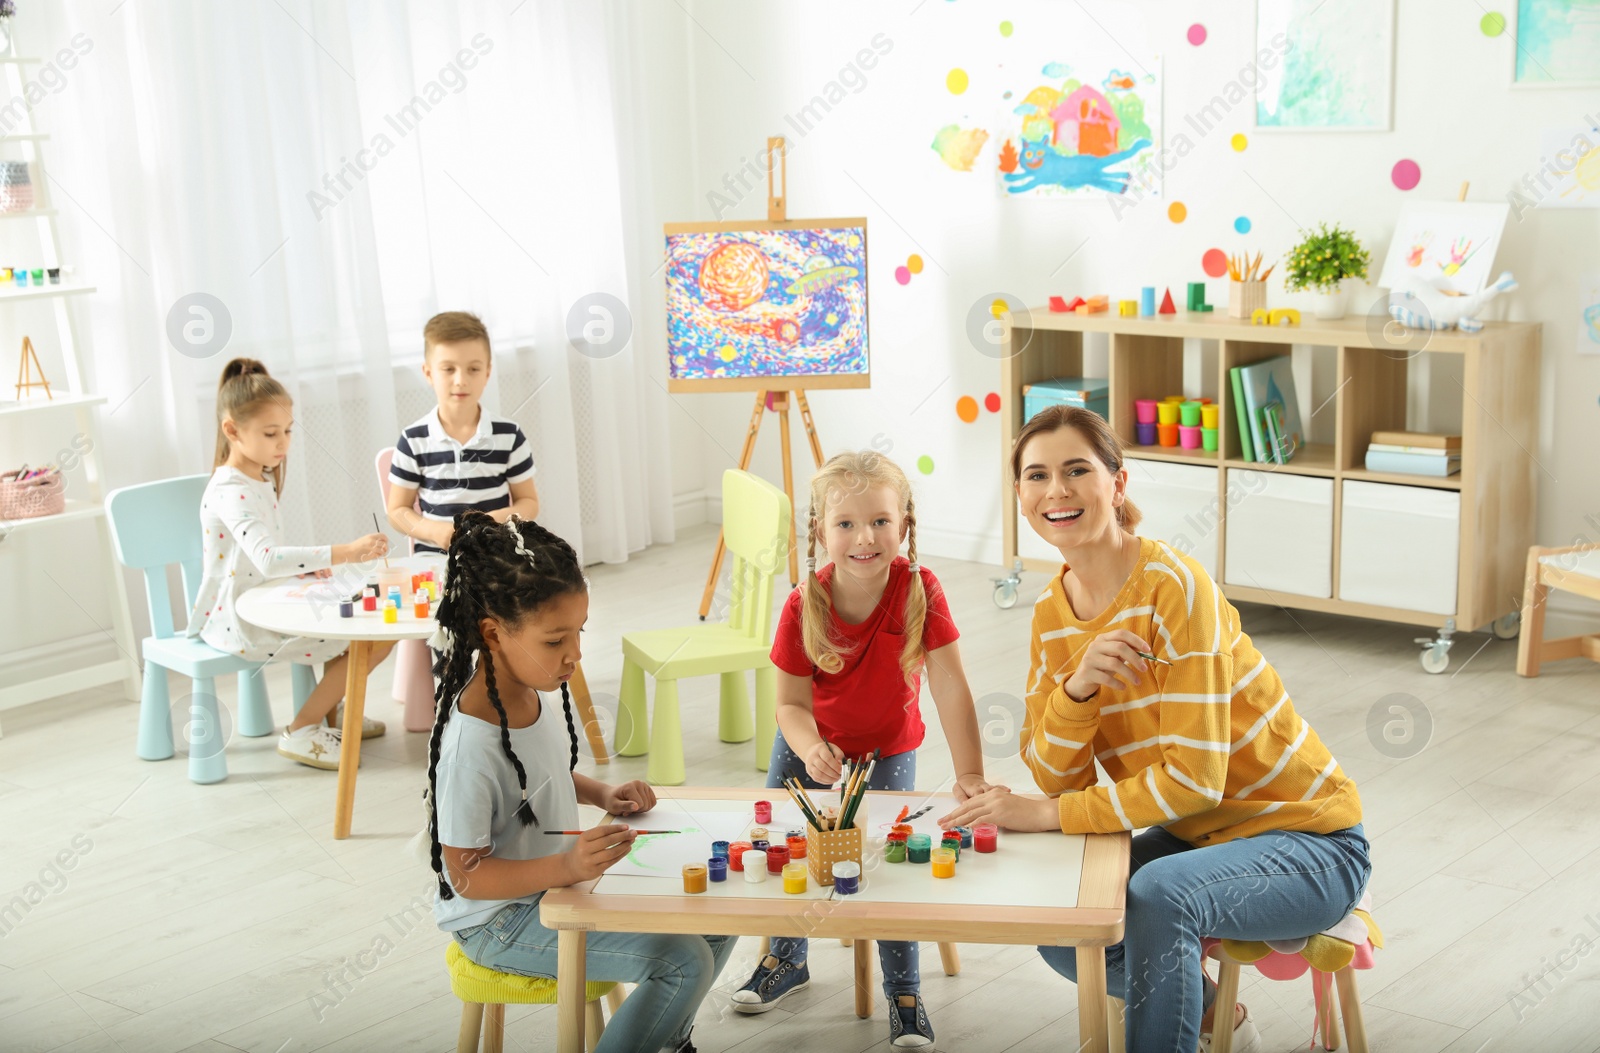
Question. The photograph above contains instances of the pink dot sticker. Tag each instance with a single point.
(902, 275)
(1406, 174)
(1215, 262)
(1197, 34)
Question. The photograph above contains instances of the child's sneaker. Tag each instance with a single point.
(908, 1023)
(314, 746)
(1246, 1039)
(370, 729)
(774, 980)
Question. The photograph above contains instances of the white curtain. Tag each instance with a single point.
(334, 173)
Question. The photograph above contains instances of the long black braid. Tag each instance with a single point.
(496, 570)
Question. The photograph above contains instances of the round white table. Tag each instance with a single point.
(310, 607)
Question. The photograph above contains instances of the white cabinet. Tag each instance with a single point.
(1280, 533)
(1400, 546)
(1179, 505)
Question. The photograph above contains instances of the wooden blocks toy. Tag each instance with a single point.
(1060, 304)
(1147, 301)
(1284, 315)
(1197, 297)
(1093, 305)
(1128, 308)
(1167, 305)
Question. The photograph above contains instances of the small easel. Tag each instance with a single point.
(778, 401)
(30, 362)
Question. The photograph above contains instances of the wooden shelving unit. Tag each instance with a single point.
(1498, 478)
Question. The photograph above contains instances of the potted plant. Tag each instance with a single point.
(1324, 258)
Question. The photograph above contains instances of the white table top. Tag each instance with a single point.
(310, 606)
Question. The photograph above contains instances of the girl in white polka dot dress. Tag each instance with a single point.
(244, 548)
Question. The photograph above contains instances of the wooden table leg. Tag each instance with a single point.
(579, 689)
(863, 949)
(1092, 1006)
(355, 702)
(571, 946)
(950, 958)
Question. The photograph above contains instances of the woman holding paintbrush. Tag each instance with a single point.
(850, 649)
(1254, 832)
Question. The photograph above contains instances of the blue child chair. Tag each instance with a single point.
(154, 525)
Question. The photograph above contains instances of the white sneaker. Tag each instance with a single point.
(370, 729)
(314, 746)
(1246, 1039)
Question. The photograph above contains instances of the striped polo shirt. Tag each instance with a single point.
(452, 477)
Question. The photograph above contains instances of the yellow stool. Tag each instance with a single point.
(480, 988)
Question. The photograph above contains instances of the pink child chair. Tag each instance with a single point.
(413, 671)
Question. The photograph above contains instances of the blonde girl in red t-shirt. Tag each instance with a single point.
(850, 649)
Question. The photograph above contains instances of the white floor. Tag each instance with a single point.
(226, 917)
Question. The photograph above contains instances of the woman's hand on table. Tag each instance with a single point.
(629, 798)
(1000, 806)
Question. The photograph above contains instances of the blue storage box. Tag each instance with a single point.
(1088, 392)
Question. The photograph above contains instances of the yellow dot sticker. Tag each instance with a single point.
(956, 81)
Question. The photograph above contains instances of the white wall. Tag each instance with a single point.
(751, 66)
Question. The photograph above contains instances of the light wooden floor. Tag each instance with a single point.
(220, 917)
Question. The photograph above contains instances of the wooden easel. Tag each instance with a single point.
(30, 362)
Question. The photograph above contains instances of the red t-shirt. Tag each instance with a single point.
(867, 705)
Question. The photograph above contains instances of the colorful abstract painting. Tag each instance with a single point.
(1568, 174)
(1337, 68)
(1558, 43)
(1082, 131)
(1450, 245)
(751, 308)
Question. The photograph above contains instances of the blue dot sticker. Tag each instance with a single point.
(1242, 224)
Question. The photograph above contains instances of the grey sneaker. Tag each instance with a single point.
(908, 1023)
(774, 980)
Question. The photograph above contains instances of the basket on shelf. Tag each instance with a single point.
(44, 495)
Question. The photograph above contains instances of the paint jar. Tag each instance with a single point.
(55, 275)
(1144, 410)
(1145, 434)
(966, 836)
(763, 811)
(347, 609)
(758, 833)
(433, 590)
(903, 828)
(391, 615)
(1208, 439)
(694, 877)
(21, 274)
(420, 607)
(952, 841)
(1209, 415)
(944, 863)
(755, 866)
(847, 877)
(917, 846)
(1189, 414)
(894, 849)
(717, 868)
(1167, 412)
(794, 878)
(5, 275)
(1168, 434)
(1189, 437)
(761, 845)
(369, 599)
(719, 848)
(787, 834)
(736, 853)
(38, 276)
(777, 858)
(985, 837)
(797, 846)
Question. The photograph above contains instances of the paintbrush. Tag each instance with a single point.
(1146, 655)
(376, 529)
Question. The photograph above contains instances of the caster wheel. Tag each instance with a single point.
(1005, 596)
(1435, 659)
(1507, 628)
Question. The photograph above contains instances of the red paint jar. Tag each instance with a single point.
(985, 837)
(777, 858)
(736, 853)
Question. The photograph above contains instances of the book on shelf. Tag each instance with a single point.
(1246, 449)
(1413, 463)
(1424, 451)
(1281, 444)
(1416, 438)
(1270, 380)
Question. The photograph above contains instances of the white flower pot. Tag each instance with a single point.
(1328, 303)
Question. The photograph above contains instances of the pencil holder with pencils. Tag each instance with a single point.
(1246, 297)
(827, 847)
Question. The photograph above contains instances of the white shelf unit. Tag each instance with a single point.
(69, 397)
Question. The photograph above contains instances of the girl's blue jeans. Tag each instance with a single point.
(1275, 886)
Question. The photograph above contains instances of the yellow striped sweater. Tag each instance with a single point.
(1213, 750)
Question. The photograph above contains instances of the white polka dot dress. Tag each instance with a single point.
(243, 549)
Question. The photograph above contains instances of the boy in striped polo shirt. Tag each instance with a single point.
(459, 456)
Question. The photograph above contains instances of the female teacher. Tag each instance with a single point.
(1254, 830)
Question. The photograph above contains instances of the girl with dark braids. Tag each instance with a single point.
(501, 771)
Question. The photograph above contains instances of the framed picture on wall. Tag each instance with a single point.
(1334, 66)
(1556, 44)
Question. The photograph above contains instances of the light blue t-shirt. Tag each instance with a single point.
(477, 794)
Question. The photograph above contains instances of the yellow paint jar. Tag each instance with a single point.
(944, 862)
(794, 878)
(694, 877)
(391, 614)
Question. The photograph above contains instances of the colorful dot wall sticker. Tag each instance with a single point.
(967, 408)
(956, 81)
(1242, 224)
(1492, 24)
(1215, 262)
(1197, 34)
(1177, 212)
(1239, 141)
(991, 402)
(914, 264)
(902, 275)
(1406, 174)
(1005, 29)
(925, 464)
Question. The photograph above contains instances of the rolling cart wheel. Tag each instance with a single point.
(1507, 628)
(1436, 658)
(1005, 596)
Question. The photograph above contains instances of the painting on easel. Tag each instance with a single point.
(767, 306)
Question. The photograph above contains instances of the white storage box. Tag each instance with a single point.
(1280, 532)
(1400, 546)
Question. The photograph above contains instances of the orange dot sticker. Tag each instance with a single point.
(1215, 262)
(914, 264)
(1177, 212)
(967, 408)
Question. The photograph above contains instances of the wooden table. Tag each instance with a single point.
(317, 616)
(1091, 924)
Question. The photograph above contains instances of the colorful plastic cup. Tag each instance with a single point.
(38, 276)
(1208, 439)
(1189, 414)
(1168, 434)
(1209, 415)
(1189, 437)
(1167, 412)
(1146, 433)
(1144, 410)
(1174, 398)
